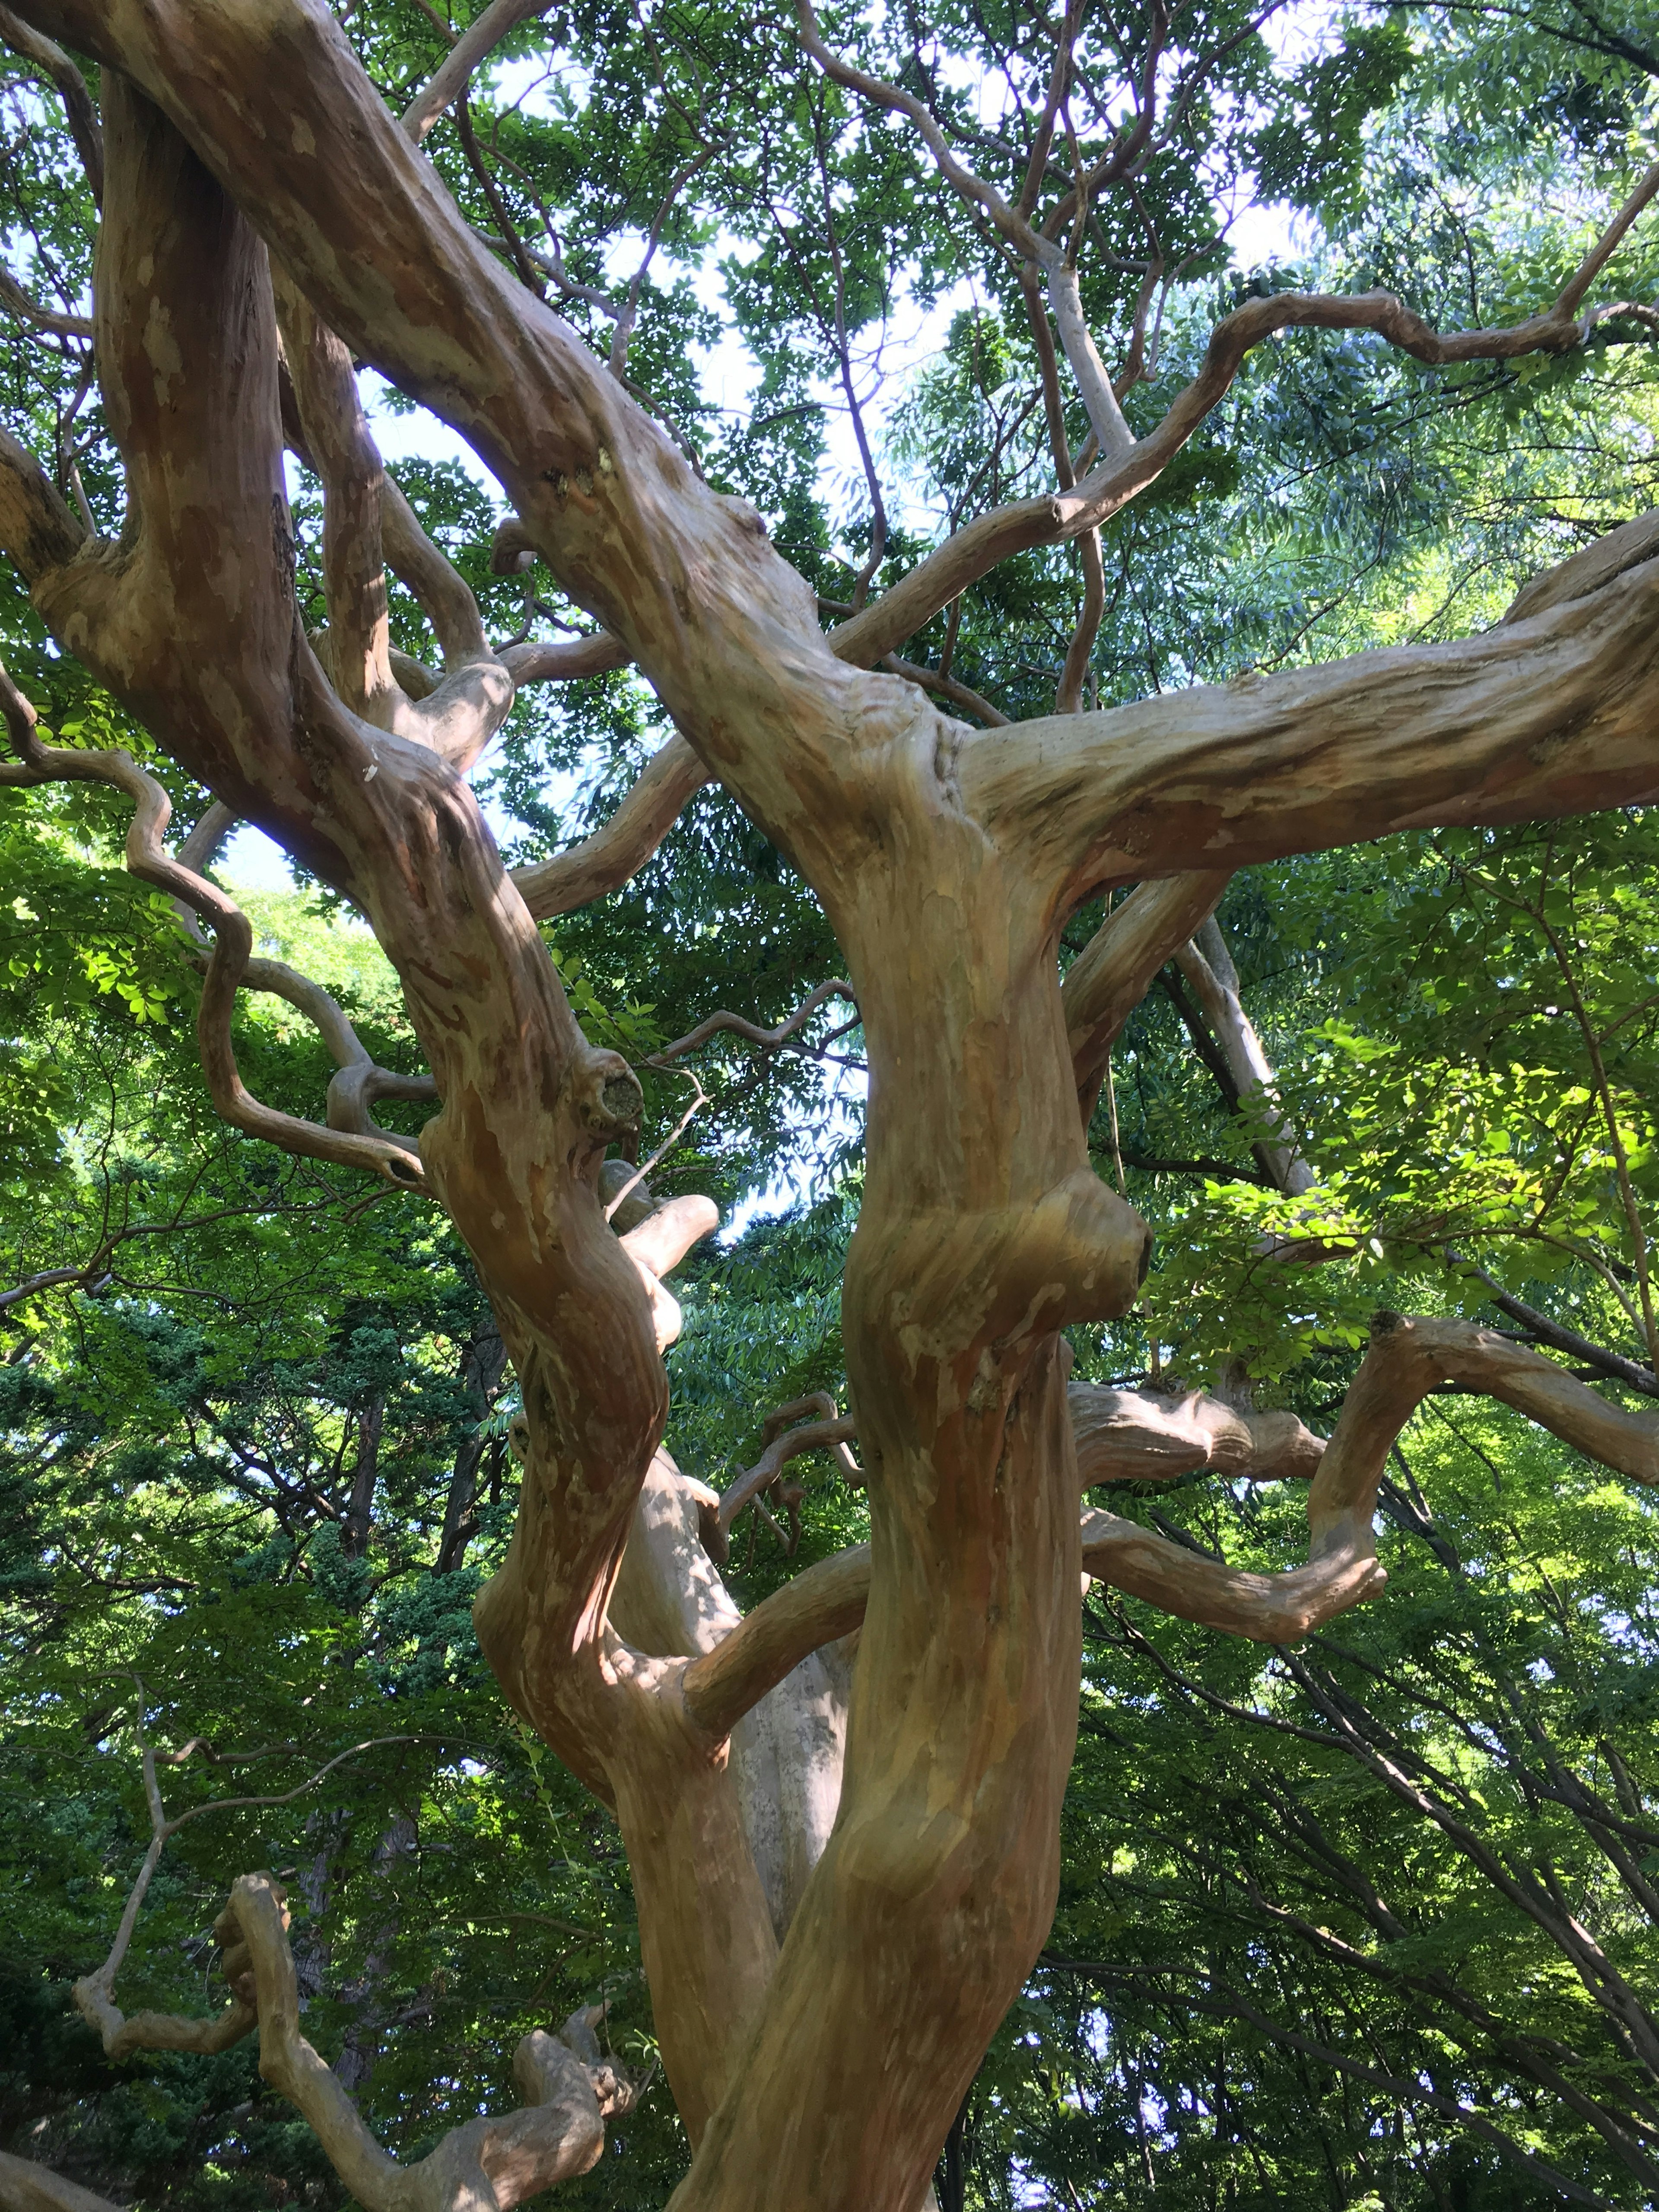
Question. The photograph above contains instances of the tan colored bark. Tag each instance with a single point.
(946, 861)
(26, 2186)
(1113, 972)
(1205, 963)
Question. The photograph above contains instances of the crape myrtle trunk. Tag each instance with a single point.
(826, 2073)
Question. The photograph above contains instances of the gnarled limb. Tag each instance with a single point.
(622, 847)
(1133, 1436)
(1407, 1360)
(768, 1039)
(351, 1140)
(485, 2166)
(1113, 973)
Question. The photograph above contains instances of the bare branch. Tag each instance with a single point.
(13, 295)
(393, 1157)
(565, 660)
(51, 59)
(811, 1436)
(1559, 1339)
(1055, 516)
(1069, 694)
(1010, 225)
(946, 687)
(1205, 963)
(463, 712)
(455, 73)
(559, 2132)
(1407, 1360)
(1126, 1437)
(618, 850)
(768, 1039)
(1113, 973)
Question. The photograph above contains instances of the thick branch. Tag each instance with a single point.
(1555, 713)
(1115, 970)
(620, 848)
(37, 528)
(26, 2186)
(819, 1605)
(1128, 1438)
(13, 295)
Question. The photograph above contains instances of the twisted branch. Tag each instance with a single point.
(1055, 516)
(768, 1039)
(618, 850)
(1125, 1438)
(350, 1141)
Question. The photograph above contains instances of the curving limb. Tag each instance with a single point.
(832, 1431)
(769, 1040)
(484, 2165)
(1113, 972)
(622, 847)
(450, 80)
(466, 708)
(1051, 518)
(1407, 1360)
(55, 65)
(823, 1603)
(49, 319)
(350, 1141)
(1126, 1437)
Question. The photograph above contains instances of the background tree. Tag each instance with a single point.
(947, 863)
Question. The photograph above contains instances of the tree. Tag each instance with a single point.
(264, 223)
